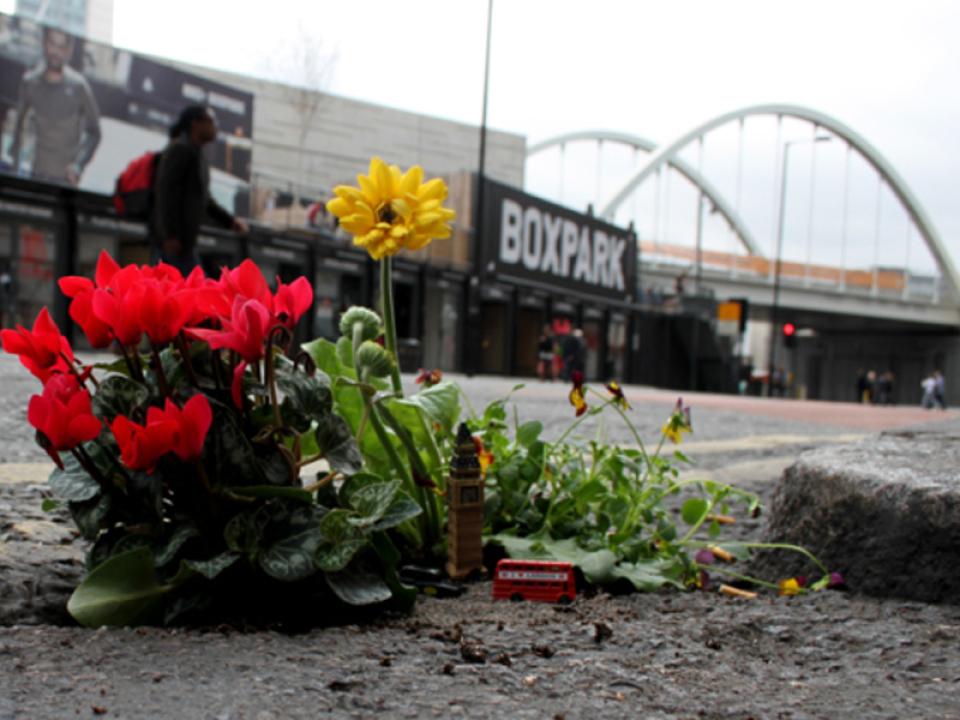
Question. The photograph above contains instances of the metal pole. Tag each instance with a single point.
(813, 190)
(843, 230)
(699, 267)
(771, 356)
(481, 165)
(875, 286)
(472, 355)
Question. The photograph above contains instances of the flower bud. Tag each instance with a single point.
(366, 317)
(375, 359)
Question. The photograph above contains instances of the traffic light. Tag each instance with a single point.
(789, 334)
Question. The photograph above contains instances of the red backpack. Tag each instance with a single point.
(133, 194)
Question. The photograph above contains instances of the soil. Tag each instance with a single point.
(651, 656)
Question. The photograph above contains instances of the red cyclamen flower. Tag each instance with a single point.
(62, 415)
(192, 424)
(43, 350)
(291, 301)
(244, 333)
(141, 446)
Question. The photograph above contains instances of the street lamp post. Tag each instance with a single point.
(781, 215)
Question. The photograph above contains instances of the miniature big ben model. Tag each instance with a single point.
(465, 511)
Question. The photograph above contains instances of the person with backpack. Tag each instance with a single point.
(181, 192)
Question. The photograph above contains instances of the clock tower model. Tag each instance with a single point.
(465, 509)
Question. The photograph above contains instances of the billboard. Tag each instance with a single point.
(75, 112)
(526, 238)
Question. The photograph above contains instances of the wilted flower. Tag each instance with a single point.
(613, 387)
(704, 557)
(576, 394)
(678, 423)
(790, 586)
(484, 456)
(429, 378)
(391, 211)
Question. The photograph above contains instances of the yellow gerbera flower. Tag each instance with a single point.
(390, 210)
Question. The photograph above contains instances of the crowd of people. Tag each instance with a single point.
(875, 388)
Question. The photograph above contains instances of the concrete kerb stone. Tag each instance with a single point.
(884, 511)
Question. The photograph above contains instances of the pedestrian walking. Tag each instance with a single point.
(928, 384)
(545, 354)
(939, 390)
(182, 198)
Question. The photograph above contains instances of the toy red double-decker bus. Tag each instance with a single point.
(541, 580)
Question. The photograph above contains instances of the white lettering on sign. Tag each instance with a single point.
(540, 242)
(532, 238)
(511, 234)
(530, 575)
(225, 102)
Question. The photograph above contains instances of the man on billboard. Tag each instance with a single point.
(182, 198)
(66, 118)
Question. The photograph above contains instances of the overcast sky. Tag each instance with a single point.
(655, 69)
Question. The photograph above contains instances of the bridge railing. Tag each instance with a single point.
(884, 281)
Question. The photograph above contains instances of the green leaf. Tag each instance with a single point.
(335, 441)
(693, 510)
(236, 462)
(214, 566)
(650, 575)
(372, 501)
(336, 526)
(325, 357)
(357, 587)
(332, 558)
(291, 558)
(440, 402)
(306, 397)
(90, 514)
(176, 540)
(118, 395)
(242, 534)
(353, 483)
(528, 433)
(275, 466)
(402, 508)
(49, 505)
(121, 591)
(73, 483)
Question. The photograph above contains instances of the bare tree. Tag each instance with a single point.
(304, 68)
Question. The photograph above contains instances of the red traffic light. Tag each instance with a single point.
(789, 329)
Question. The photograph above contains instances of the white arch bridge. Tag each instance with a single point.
(778, 203)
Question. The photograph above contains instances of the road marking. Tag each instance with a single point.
(756, 442)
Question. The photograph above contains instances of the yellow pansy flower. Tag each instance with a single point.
(390, 211)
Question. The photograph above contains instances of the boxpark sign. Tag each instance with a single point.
(529, 239)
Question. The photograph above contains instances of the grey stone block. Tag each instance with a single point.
(884, 511)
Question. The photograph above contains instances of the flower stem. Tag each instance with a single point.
(788, 546)
(133, 367)
(187, 362)
(389, 322)
(161, 375)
